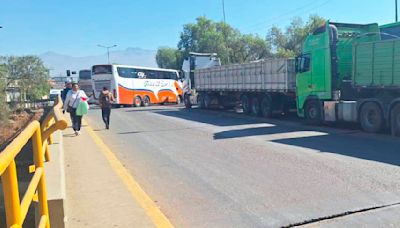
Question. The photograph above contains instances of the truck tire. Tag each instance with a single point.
(245, 104)
(146, 101)
(137, 102)
(187, 102)
(395, 120)
(200, 101)
(371, 117)
(266, 107)
(313, 112)
(255, 107)
(207, 101)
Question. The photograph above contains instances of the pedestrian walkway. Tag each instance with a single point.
(96, 196)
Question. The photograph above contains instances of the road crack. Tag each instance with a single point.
(347, 213)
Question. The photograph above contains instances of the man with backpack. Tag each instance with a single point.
(106, 99)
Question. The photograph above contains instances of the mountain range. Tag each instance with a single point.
(59, 63)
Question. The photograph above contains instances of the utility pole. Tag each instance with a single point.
(396, 9)
(108, 50)
(223, 10)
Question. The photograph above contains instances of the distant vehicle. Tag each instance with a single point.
(85, 81)
(138, 86)
(53, 95)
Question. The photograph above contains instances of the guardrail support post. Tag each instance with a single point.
(38, 159)
(11, 195)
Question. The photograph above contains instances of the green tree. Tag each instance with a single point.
(4, 109)
(207, 36)
(170, 58)
(288, 43)
(29, 73)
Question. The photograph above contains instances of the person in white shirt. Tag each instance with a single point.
(74, 96)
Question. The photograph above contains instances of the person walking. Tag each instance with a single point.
(106, 99)
(68, 87)
(72, 100)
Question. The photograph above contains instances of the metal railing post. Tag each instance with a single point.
(39, 163)
(11, 195)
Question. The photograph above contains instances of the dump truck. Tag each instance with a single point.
(345, 73)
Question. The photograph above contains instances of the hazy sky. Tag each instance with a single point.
(75, 27)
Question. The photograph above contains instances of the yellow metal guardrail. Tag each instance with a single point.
(16, 210)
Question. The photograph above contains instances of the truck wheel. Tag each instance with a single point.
(266, 107)
(371, 117)
(245, 104)
(200, 101)
(313, 112)
(146, 101)
(255, 107)
(137, 102)
(395, 120)
(207, 101)
(187, 102)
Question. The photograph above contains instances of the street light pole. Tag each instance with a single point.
(108, 50)
(395, 3)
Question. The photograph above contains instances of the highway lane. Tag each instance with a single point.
(221, 169)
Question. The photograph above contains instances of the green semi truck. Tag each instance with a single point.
(346, 72)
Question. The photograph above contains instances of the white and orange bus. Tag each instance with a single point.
(138, 86)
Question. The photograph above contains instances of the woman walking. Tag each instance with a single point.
(72, 101)
(105, 101)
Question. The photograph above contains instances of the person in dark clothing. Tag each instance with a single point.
(68, 87)
(106, 99)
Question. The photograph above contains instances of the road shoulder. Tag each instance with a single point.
(96, 197)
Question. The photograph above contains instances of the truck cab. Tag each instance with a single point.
(193, 62)
(324, 68)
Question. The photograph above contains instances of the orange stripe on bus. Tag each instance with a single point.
(126, 96)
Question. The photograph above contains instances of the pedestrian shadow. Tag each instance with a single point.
(69, 135)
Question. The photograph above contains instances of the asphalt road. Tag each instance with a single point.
(222, 169)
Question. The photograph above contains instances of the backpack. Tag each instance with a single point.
(105, 100)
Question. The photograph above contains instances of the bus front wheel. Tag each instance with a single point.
(178, 100)
(137, 102)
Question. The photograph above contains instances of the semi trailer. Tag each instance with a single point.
(346, 72)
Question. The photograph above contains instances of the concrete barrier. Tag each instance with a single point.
(55, 181)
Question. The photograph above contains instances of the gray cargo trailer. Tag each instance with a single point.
(261, 88)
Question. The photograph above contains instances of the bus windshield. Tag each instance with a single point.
(101, 69)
